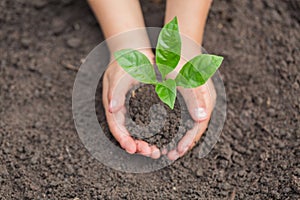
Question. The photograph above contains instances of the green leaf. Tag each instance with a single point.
(168, 48)
(166, 91)
(137, 65)
(198, 70)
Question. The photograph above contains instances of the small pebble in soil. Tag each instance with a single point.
(39, 3)
(58, 25)
(66, 2)
(73, 42)
(199, 172)
(25, 42)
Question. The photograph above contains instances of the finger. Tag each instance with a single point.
(118, 90)
(207, 94)
(198, 100)
(155, 152)
(116, 125)
(191, 137)
(143, 148)
(195, 101)
(116, 121)
(199, 135)
(173, 155)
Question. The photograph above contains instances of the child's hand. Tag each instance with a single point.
(116, 83)
(200, 102)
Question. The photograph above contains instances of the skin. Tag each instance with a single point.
(119, 16)
(191, 24)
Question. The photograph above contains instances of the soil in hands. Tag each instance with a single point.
(148, 118)
(159, 124)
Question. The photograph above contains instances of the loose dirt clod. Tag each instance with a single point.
(73, 42)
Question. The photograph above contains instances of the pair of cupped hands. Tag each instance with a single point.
(116, 83)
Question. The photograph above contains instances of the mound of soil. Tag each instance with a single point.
(158, 125)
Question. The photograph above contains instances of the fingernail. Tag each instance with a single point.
(200, 113)
(156, 154)
(130, 151)
(112, 104)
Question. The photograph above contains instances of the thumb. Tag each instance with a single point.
(195, 101)
(117, 93)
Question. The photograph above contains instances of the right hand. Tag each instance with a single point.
(200, 102)
(116, 84)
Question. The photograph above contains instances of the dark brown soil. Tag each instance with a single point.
(140, 102)
(257, 157)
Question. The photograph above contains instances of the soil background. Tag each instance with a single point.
(42, 43)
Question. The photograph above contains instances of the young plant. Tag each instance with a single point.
(193, 74)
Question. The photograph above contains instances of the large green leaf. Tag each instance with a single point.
(198, 70)
(166, 91)
(168, 48)
(137, 65)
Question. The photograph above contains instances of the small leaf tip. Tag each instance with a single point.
(175, 19)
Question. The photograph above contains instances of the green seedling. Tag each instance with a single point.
(194, 73)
